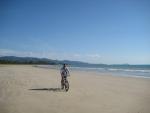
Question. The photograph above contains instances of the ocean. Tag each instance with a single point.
(141, 71)
(119, 71)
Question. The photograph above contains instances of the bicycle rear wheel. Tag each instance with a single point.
(66, 86)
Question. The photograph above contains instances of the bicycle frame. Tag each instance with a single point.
(65, 84)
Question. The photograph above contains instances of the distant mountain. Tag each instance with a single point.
(33, 60)
(26, 60)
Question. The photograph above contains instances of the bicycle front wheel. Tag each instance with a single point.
(67, 86)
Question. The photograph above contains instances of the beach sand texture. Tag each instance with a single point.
(29, 89)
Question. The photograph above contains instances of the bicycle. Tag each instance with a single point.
(65, 84)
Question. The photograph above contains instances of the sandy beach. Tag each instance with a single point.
(29, 89)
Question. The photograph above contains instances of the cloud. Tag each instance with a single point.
(76, 55)
(91, 58)
(8, 52)
(94, 55)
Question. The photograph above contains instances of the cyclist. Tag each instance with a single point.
(64, 73)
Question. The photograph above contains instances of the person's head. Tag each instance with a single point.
(64, 65)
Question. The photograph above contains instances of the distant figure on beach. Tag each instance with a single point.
(64, 74)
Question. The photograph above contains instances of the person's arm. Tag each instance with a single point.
(61, 71)
(68, 73)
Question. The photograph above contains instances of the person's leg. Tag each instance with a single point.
(62, 84)
(66, 84)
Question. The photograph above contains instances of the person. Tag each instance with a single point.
(64, 74)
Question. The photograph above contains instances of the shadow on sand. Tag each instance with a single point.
(48, 89)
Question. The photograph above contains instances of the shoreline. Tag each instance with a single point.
(85, 69)
(57, 67)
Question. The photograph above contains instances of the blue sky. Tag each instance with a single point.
(95, 31)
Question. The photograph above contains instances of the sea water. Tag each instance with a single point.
(141, 71)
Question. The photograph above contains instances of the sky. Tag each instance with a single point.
(94, 31)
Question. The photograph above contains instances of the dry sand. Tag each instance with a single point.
(90, 92)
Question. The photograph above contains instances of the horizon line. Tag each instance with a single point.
(71, 60)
